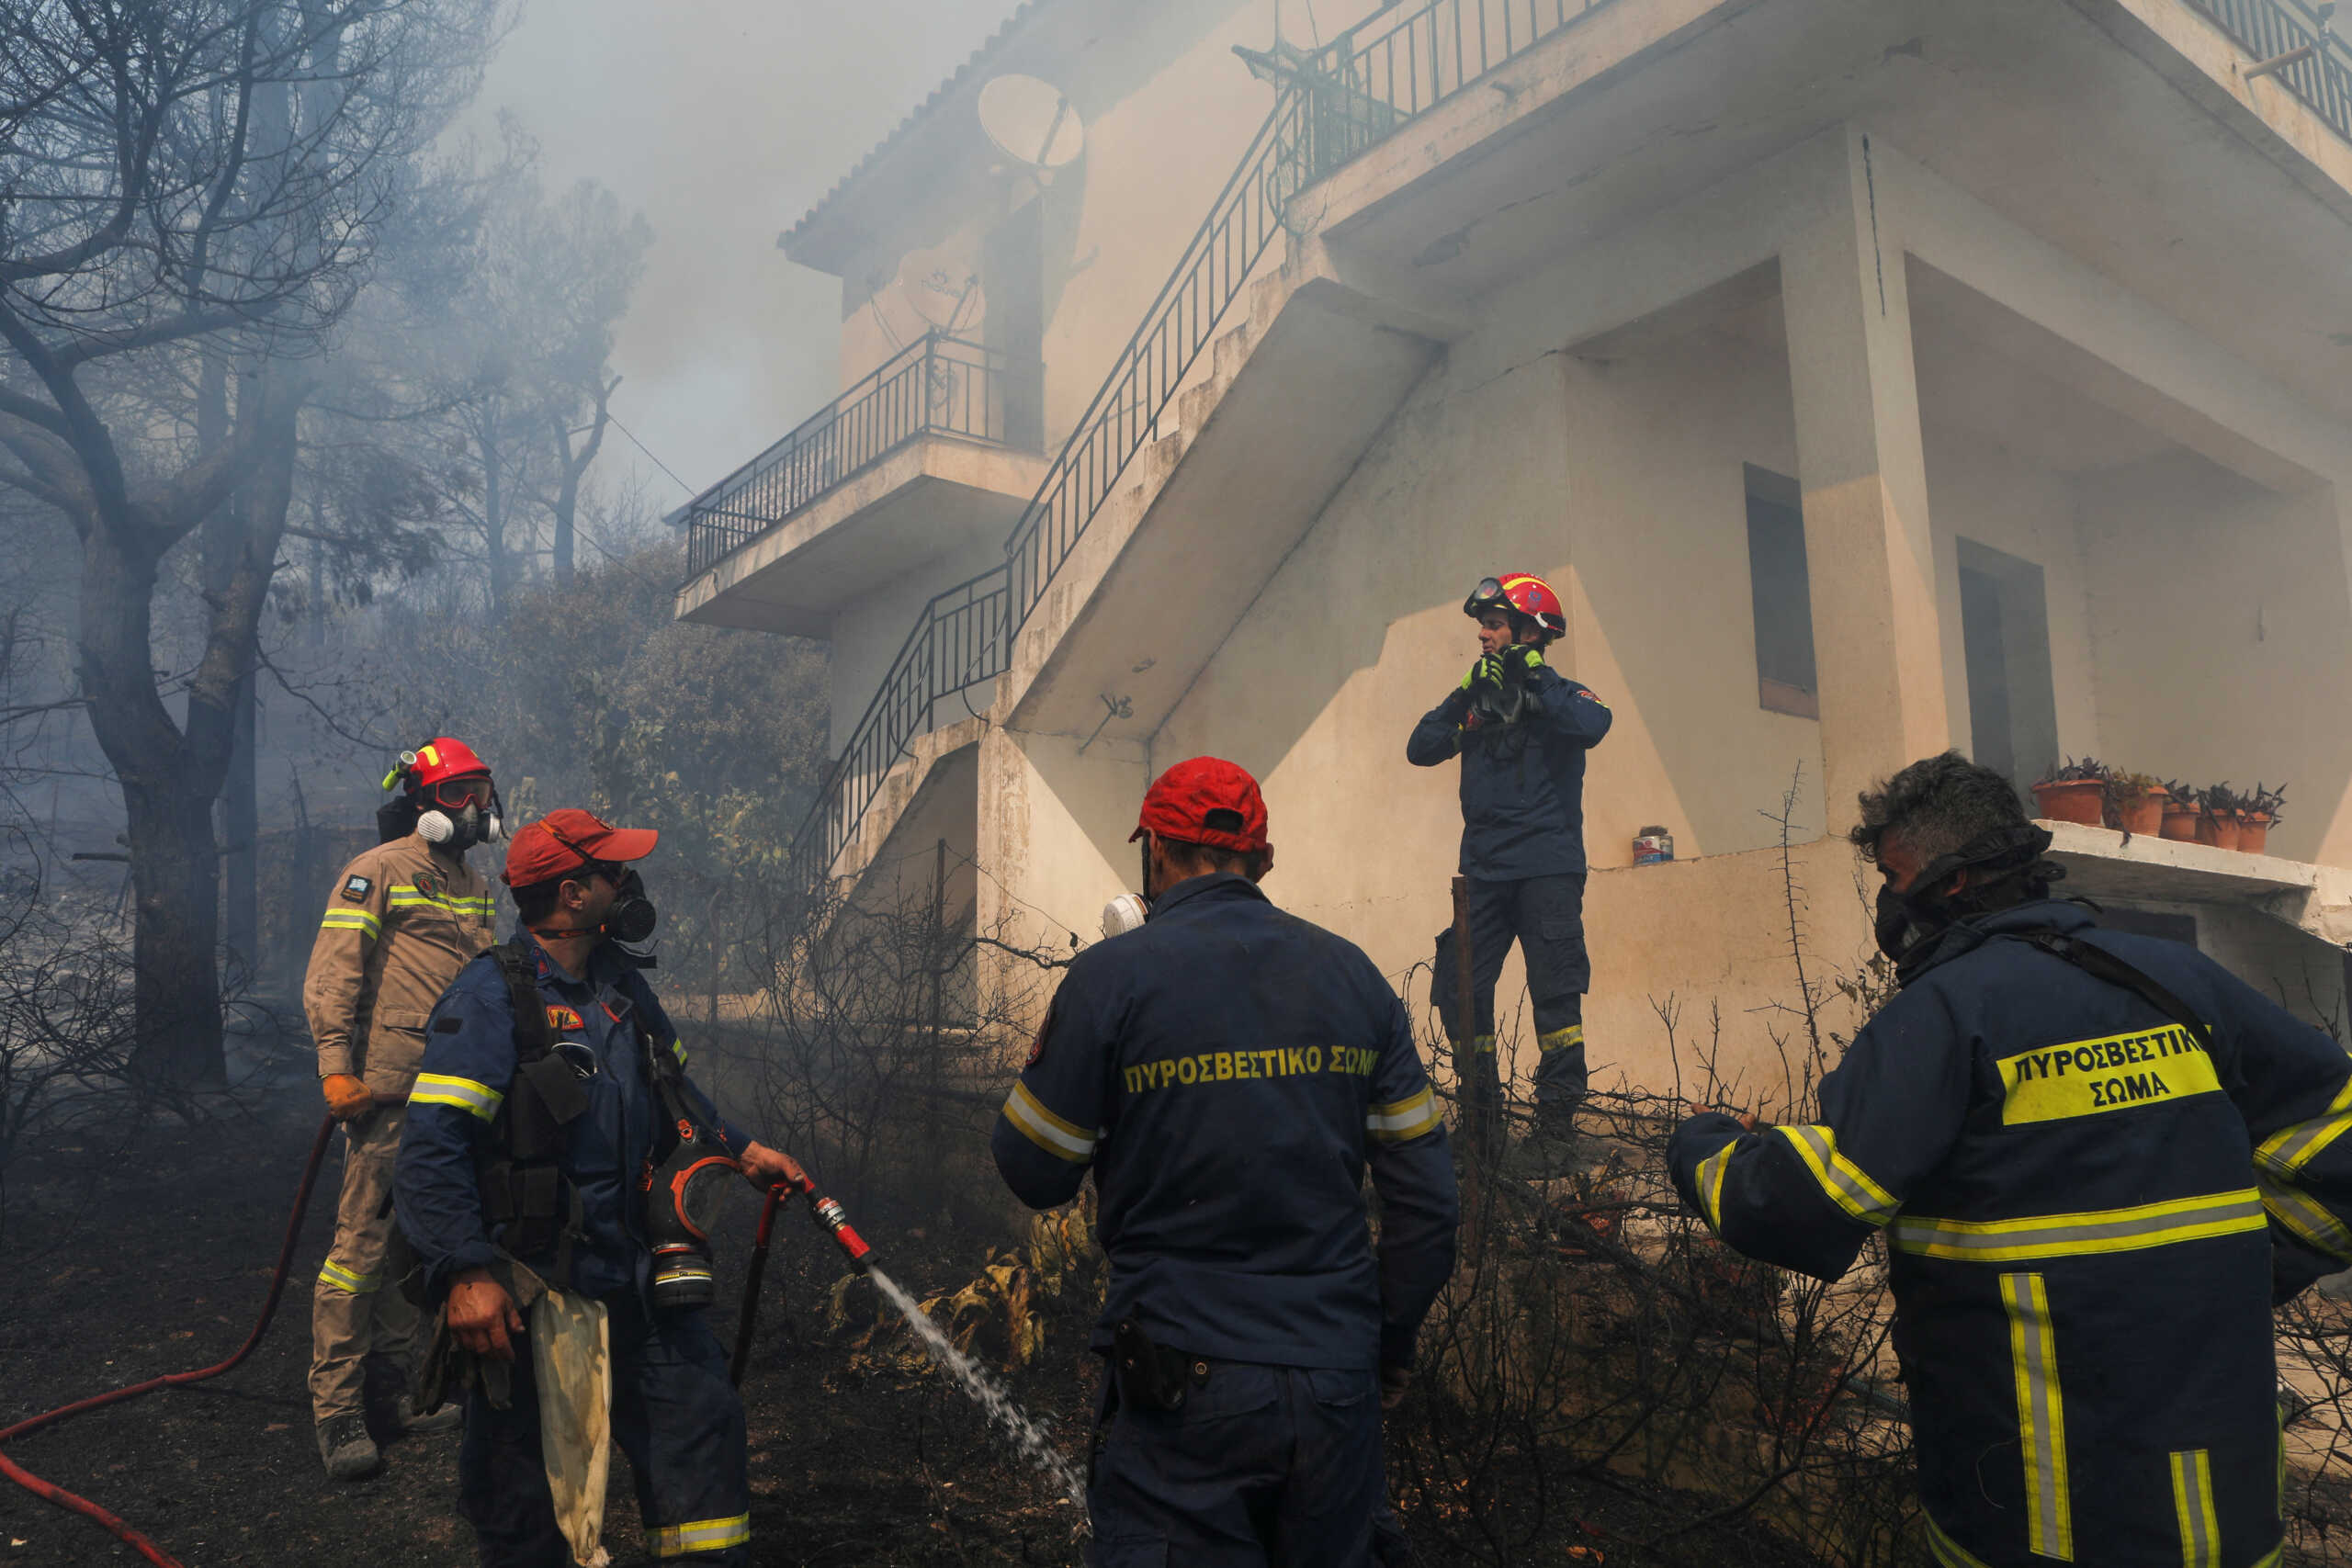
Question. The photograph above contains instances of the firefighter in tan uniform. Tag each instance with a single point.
(402, 921)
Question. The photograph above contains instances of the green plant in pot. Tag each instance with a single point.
(2135, 803)
(2072, 792)
(2181, 812)
(2217, 816)
(2256, 814)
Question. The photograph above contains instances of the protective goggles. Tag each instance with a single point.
(1487, 596)
(456, 794)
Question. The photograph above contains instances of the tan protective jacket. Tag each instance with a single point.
(400, 924)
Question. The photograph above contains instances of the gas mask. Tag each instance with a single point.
(632, 919)
(682, 1201)
(1908, 924)
(461, 829)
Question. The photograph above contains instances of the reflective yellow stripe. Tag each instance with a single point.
(2192, 1508)
(1558, 1040)
(1949, 1553)
(358, 920)
(2306, 1216)
(1711, 1184)
(1047, 1130)
(702, 1535)
(2041, 1417)
(440, 1088)
(2290, 1149)
(1404, 1119)
(1481, 1046)
(344, 1279)
(678, 1049)
(406, 895)
(1846, 1183)
(2074, 1235)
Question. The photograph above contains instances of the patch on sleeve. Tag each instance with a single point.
(561, 1018)
(355, 888)
(1037, 1046)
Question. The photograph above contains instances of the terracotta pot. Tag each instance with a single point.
(2254, 832)
(2071, 800)
(2221, 831)
(2145, 815)
(2181, 823)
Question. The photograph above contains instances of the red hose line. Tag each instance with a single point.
(51, 1492)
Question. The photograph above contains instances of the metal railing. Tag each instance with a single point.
(2269, 29)
(960, 640)
(937, 384)
(1342, 101)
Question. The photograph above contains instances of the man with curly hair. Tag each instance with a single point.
(2095, 1160)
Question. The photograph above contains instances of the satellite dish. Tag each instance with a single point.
(941, 287)
(1031, 122)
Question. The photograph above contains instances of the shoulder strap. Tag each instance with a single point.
(2101, 964)
(515, 962)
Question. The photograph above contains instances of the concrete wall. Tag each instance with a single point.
(2223, 631)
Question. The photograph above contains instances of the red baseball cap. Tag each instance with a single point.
(1179, 803)
(567, 838)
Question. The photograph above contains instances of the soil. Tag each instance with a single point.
(120, 1260)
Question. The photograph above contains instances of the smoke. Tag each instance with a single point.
(722, 123)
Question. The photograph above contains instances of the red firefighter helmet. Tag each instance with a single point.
(442, 760)
(1520, 595)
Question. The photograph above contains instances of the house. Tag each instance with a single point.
(1870, 376)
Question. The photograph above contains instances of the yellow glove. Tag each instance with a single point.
(348, 1098)
(1526, 656)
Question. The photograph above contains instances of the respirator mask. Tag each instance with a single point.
(632, 919)
(1908, 924)
(461, 813)
(683, 1195)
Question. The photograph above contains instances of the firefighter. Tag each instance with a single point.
(509, 1187)
(402, 921)
(1228, 1072)
(2096, 1161)
(1522, 729)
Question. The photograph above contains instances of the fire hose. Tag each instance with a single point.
(825, 1211)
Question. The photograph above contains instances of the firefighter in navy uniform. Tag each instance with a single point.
(1228, 1072)
(1522, 730)
(2097, 1160)
(403, 918)
(476, 1195)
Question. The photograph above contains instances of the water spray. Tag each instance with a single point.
(985, 1391)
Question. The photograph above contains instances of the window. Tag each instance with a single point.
(2005, 637)
(1785, 681)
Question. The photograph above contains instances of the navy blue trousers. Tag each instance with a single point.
(1545, 916)
(1271, 1467)
(674, 1416)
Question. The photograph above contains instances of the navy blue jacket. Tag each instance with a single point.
(1522, 784)
(1227, 1071)
(453, 1120)
(2086, 1214)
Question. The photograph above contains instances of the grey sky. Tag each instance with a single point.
(722, 121)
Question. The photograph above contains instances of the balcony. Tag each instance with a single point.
(927, 456)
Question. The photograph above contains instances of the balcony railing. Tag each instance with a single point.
(2268, 30)
(936, 386)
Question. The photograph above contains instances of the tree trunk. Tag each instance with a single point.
(240, 826)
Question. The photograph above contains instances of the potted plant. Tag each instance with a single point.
(2217, 817)
(2135, 803)
(2072, 792)
(2180, 812)
(2256, 812)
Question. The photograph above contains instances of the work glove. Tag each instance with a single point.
(1521, 659)
(348, 1099)
(1485, 675)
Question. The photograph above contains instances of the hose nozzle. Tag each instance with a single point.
(828, 1215)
